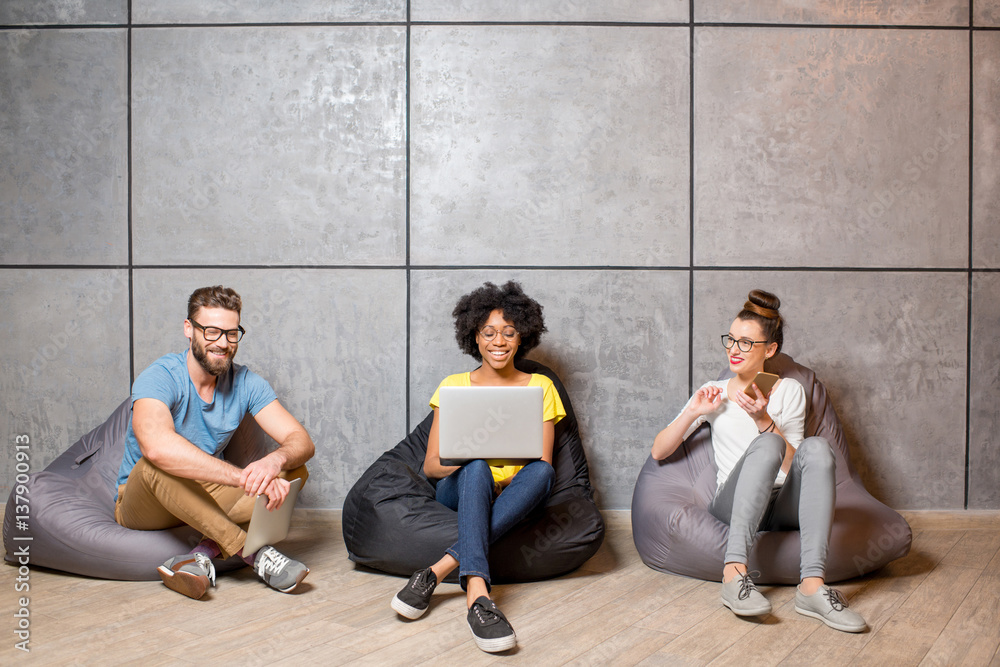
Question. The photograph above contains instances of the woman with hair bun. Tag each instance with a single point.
(769, 477)
(496, 326)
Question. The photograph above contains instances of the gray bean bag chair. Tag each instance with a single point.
(391, 521)
(72, 521)
(675, 533)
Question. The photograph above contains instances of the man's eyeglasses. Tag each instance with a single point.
(744, 345)
(508, 333)
(215, 333)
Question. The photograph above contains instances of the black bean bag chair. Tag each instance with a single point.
(674, 531)
(391, 521)
(71, 517)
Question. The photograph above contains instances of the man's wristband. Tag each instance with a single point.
(768, 429)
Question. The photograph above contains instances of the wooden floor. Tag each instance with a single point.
(938, 606)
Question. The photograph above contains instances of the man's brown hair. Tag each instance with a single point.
(214, 297)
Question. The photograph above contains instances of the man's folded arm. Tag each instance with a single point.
(162, 446)
(295, 447)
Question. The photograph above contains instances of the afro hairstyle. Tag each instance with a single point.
(473, 310)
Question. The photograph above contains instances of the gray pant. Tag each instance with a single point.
(748, 503)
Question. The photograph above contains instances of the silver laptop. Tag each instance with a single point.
(271, 527)
(502, 425)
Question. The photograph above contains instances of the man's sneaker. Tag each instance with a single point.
(489, 626)
(190, 574)
(279, 571)
(413, 599)
(829, 605)
(743, 598)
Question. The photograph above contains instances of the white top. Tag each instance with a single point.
(733, 430)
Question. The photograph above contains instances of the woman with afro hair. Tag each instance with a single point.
(496, 326)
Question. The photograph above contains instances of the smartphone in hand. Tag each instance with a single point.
(764, 381)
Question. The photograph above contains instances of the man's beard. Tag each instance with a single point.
(212, 366)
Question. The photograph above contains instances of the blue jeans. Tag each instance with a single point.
(483, 520)
(748, 502)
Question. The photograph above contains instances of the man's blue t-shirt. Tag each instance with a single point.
(208, 426)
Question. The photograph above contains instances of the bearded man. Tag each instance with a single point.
(185, 408)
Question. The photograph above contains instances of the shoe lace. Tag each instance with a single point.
(836, 599)
(270, 561)
(206, 562)
(746, 586)
(421, 583)
(486, 615)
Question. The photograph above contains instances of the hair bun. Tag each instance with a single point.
(763, 303)
(762, 307)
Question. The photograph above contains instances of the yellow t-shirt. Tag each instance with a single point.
(552, 408)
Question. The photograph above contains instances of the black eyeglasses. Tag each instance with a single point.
(744, 345)
(508, 333)
(215, 333)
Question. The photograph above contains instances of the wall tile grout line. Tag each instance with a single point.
(406, 205)
(128, 211)
(408, 23)
(691, 266)
(969, 297)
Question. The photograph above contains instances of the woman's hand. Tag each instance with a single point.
(705, 401)
(432, 461)
(756, 408)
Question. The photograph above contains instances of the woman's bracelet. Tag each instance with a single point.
(769, 429)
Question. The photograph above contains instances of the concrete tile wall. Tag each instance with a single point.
(633, 11)
(986, 150)
(65, 357)
(352, 173)
(295, 11)
(509, 133)
(842, 155)
(841, 12)
(320, 181)
(63, 158)
(60, 12)
(984, 418)
(987, 13)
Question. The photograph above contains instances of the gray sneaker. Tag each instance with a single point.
(743, 598)
(278, 570)
(189, 574)
(829, 605)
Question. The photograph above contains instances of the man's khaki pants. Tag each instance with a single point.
(152, 499)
